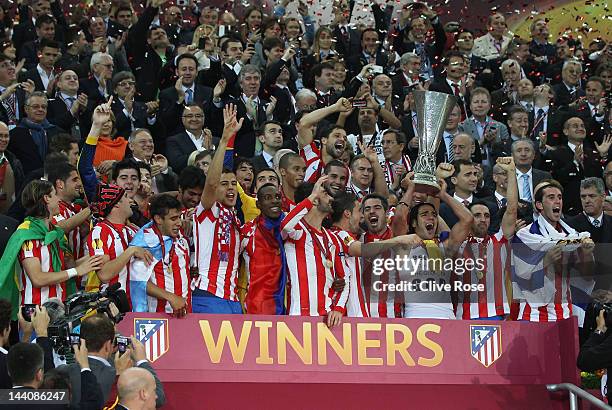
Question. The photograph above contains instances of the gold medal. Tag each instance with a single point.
(328, 263)
(479, 274)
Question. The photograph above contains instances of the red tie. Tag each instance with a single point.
(456, 88)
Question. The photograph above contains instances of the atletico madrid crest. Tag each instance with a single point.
(153, 334)
(486, 343)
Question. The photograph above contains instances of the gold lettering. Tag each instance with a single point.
(284, 335)
(363, 344)
(264, 348)
(325, 336)
(401, 347)
(430, 344)
(226, 333)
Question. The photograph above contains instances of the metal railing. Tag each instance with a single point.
(575, 392)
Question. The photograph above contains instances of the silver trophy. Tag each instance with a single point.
(432, 110)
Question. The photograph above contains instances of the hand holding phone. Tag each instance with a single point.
(27, 310)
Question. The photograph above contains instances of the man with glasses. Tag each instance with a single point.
(12, 93)
(129, 114)
(142, 147)
(30, 139)
(172, 100)
(194, 138)
(97, 87)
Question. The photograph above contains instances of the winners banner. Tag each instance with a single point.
(283, 349)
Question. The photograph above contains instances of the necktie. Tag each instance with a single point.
(71, 101)
(188, 96)
(596, 223)
(503, 202)
(526, 188)
(466, 203)
(539, 123)
(420, 51)
(573, 94)
(456, 88)
(451, 148)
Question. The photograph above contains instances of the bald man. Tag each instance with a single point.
(136, 390)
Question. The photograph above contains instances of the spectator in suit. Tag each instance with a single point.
(98, 332)
(45, 30)
(122, 21)
(42, 74)
(502, 99)
(76, 56)
(574, 161)
(271, 138)
(186, 91)
(382, 92)
(29, 141)
(499, 198)
(11, 171)
(98, 85)
(277, 82)
(545, 117)
(347, 37)
(5, 329)
(592, 110)
(136, 389)
(493, 44)
(69, 110)
(540, 48)
(25, 30)
(569, 89)
(464, 43)
(147, 48)
(12, 93)
(25, 364)
(481, 127)
(323, 84)
(372, 52)
(408, 76)
(142, 147)
(518, 126)
(412, 38)
(195, 138)
(528, 177)
(129, 114)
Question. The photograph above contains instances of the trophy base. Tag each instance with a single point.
(426, 184)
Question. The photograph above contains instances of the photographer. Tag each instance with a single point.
(596, 352)
(98, 331)
(38, 323)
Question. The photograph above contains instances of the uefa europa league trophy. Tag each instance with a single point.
(432, 110)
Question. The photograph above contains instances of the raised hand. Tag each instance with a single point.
(219, 89)
(604, 147)
(230, 124)
(445, 170)
(506, 163)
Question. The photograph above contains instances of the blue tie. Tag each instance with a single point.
(526, 188)
(188, 96)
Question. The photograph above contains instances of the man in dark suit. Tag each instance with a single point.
(136, 390)
(573, 162)
(129, 114)
(98, 332)
(25, 30)
(528, 177)
(592, 219)
(172, 100)
(29, 141)
(347, 36)
(98, 85)
(25, 364)
(145, 47)
(454, 83)
(271, 137)
(371, 53)
(194, 138)
(42, 73)
(45, 30)
(276, 82)
(142, 146)
(569, 90)
(69, 110)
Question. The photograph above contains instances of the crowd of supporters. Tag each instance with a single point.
(237, 161)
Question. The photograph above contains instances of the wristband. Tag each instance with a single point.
(72, 272)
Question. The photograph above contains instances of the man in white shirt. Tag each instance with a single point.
(523, 153)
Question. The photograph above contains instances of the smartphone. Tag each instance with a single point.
(359, 103)
(182, 3)
(27, 310)
(75, 339)
(221, 30)
(122, 343)
(377, 69)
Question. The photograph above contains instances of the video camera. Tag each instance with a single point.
(112, 302)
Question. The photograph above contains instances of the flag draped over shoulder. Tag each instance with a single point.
(530, 280)
(140, 273)
(29, 230)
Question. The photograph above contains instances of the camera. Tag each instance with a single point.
(112, 302)
(75, 339)
(27, 310)
(607, 308)
(377, 69)
(122, 342)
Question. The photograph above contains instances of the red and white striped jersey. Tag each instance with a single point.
(314, 163)
(356, 305)
(494, 253)
(380, 304)
(74, 237)
(111, 239)
(29, 293)
(388, 167)
(561, 308)
(216, 233)
(286, 204)
(309, 253)
(172, 275)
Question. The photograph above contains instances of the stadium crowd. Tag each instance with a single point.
(213, 162)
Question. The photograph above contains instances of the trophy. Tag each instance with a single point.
(433, 110)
